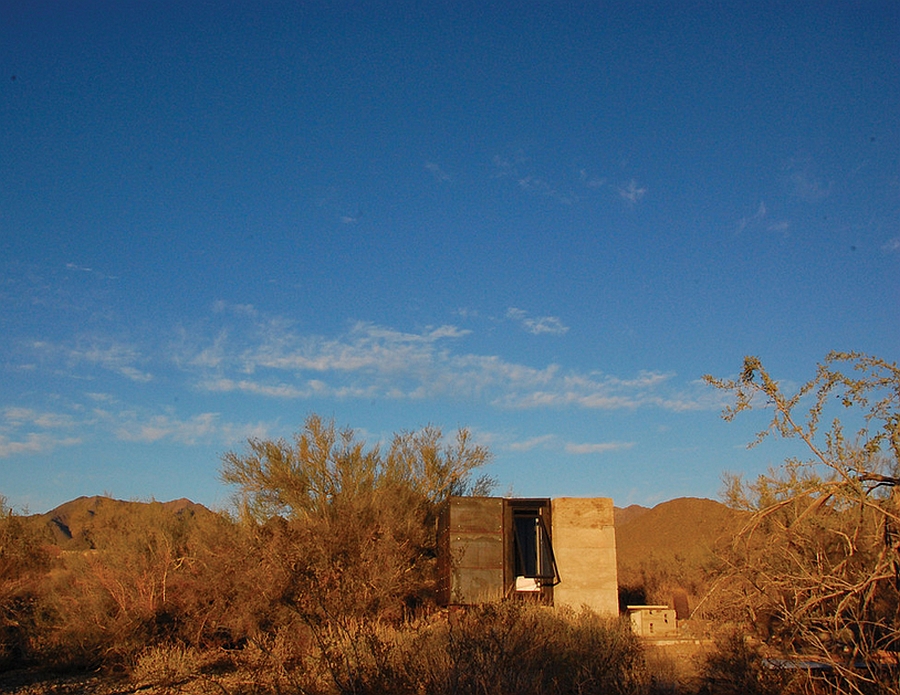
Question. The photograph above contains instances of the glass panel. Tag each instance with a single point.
(527, 543)
(534, 554)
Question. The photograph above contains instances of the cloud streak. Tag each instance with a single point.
(760, 221)
(631, 192)
(892, 245)
(597, 448)
(24, 431)
(27, 431)
(119, 358)
(436, 171)
(33, 443)
(553, 442)
(536, 326)
(201, 427)
(242, 353)
(518, 167)
(270, 359)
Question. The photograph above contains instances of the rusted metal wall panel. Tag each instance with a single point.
(470, 556)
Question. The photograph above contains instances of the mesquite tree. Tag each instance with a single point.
(352, 527)
(817, 569)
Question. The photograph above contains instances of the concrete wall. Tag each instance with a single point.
(584, 542)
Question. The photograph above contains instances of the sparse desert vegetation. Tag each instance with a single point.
(323, 579)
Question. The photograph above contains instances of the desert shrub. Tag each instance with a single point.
(105, 605)
(815, 567)
(510, 648)
(275, 662)
(514, 647)
(71, 629)
(166, 665)
(346, 530)
(361, 656)
(737, 667)
(23, 561)
(224, 592)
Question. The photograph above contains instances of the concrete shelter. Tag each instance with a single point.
(556, 551)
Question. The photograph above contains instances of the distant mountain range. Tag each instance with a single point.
(683, 529)
(670, 550)
(670, 547)
(75, 525)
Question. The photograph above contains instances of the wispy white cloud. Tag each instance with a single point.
(212, 355)
(256, 388)
(760, 221)
(892, 245)
(33, 443)
(119, 358)
(537, 325)
(760, 214)
(86, 269)
(248, 354)
(28, 431)
(518, 167)
(220, 307)
(367, 347)
(591, 181)
(509, 165)
(599, 392)
(631, 192)
(804, 186)
(271, 359)
(467, 313)
(436, 171)
(554, 442)
(546, 189)
(146, 425)
(18, 417)
(596, 448)
(532, 443)
(201, 427)
(100, 397)
(75, 266)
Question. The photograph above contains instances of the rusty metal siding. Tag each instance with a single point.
(470, 550)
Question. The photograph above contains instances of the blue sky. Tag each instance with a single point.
(541, 221)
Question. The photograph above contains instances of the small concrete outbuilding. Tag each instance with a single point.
(557, 551)
(653, 621)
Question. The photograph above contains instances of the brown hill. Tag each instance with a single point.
(670, 547)
(628, 514)
(659, 550)
(77, 524)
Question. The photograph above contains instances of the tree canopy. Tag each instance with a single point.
(325, 468)
(818, 566)
(348, 530)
